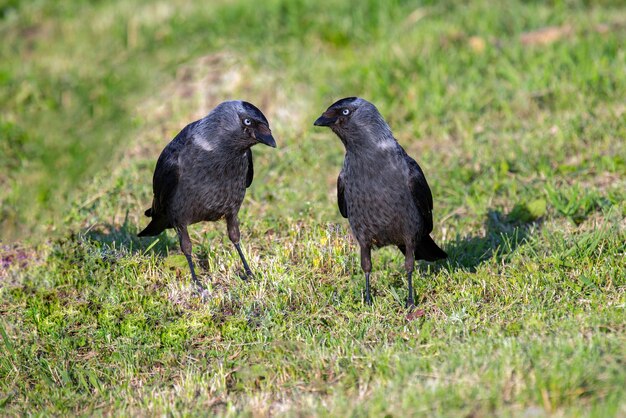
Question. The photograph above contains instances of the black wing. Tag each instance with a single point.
(167, 172)
(250, 173)
(341, 198)
(421, 192)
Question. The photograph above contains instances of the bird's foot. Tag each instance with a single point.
(368, 299)
(246, 275)
(414, 314)
(410, 305)
(202, 292)
(204, 295)
(200, 289)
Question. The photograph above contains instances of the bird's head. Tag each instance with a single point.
(245, 124)
(353, 120)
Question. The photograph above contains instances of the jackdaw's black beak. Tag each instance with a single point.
(324, 121)
(264, 136)
(267, 140)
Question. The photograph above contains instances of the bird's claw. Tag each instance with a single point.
(204, 295)
(202, 292)
(200, 289)
(246, 275)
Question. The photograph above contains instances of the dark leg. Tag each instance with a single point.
(409, 262)
(245, 264)
(232, 223)
(185, 246)
(366, 265)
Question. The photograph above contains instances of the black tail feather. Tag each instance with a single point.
(155, 227)
(429, 251)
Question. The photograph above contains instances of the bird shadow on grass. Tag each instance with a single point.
(117, 240)
(124, 238)
(504, 233)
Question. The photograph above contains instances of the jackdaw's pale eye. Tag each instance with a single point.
(381, 190)
(202, 175)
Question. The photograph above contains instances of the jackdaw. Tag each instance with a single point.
(203, 173)
(381, 190)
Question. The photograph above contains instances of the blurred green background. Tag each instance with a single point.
(82, 83)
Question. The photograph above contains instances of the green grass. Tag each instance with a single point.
(522, 143)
